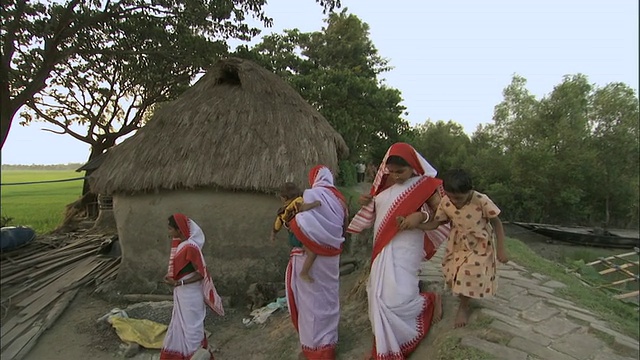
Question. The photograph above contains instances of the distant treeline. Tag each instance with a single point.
(72, 166)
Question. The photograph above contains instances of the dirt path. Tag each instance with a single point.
(75, 334)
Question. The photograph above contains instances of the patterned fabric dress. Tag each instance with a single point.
(469, 264)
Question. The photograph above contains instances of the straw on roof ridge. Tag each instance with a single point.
(239, 127)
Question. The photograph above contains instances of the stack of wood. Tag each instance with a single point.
(626, 267)
(39, 281)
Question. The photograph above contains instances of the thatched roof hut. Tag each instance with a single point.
(239, 127)
(214, 154)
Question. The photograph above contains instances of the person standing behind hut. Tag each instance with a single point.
(315, 306)
(360, 169)
(193, 290)
(476, 239)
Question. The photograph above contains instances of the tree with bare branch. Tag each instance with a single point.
(42, 39)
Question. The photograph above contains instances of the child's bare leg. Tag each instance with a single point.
(437, 312)
(462, 318)
(306, 267)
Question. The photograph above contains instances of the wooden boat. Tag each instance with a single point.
(13, 237)
(610, 238)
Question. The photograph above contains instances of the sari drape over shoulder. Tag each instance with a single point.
(400, 315)
(185, 334)
(315, 307)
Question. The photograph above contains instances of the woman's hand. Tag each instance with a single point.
(169, 281)
(411, 221)
(365, 199)
(272, 238)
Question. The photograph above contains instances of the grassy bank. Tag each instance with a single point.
(622, 316)
(40, 206)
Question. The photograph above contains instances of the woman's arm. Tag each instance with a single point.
(434, 201)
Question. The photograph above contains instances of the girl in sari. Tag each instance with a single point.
(315, 306)
(193, 291)
(404, 194)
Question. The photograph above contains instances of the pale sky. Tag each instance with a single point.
(451, 59)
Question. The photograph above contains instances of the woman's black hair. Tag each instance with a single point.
(397, 160)
(457, 181)
(173, 223)
(290, 191)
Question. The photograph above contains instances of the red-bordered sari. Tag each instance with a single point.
(315, 307)
(400, 315)
(185, 334)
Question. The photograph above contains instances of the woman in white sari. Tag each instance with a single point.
(193, 291)
(405, 193)
(315, 306)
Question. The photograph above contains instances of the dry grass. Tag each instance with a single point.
(240, 127)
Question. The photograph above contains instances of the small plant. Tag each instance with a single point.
(5, 221)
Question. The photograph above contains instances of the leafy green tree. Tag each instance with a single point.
(445, 144)
(613, 116)
(151, 41)
(336, 70)
(570, 157)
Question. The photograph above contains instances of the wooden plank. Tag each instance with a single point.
(620, 268)
(627, 295)
(12, 351)
(84, 279)
(617, 282)
(44, 301)
(44, 281)
(55, 285)
(626, 261)
(58, 264)
(113, 266)
(44, 288)
(72, 245)
(51, 318)
(611, 258)
(23, 289)
(16, 331)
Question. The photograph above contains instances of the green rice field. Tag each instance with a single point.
(40, 206)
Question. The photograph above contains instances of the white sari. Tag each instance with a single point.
(185, 335)
(400, 315)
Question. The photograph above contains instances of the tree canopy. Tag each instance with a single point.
(337, 71)
(152, 44)
(570, 157)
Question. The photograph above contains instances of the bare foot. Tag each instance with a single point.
(306, 278)
(437, 312)
(462, 318)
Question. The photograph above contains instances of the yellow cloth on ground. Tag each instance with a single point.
(148, 334)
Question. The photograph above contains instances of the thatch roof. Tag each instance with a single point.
(94, 163)
(239, 127)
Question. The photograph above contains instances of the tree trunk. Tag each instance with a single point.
(90, 200)
(7, 112)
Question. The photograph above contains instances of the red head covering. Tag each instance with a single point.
(419, 165)
(320, 175)
(409, 154)
(183, 224)
(313, 173)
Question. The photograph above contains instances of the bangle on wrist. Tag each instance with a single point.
(426, 217)
(181, 282)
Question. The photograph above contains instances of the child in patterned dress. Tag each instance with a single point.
(476, 239)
